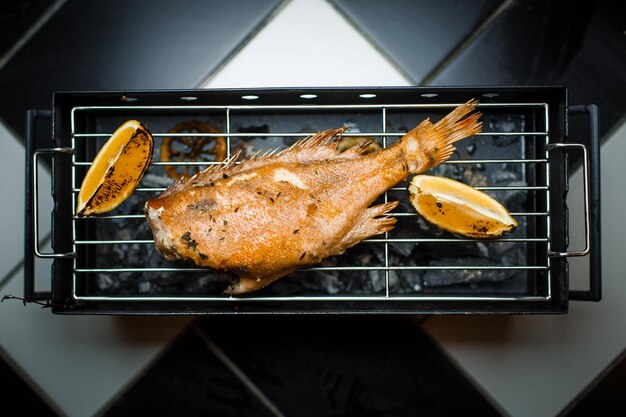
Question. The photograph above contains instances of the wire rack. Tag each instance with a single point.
(534, 168)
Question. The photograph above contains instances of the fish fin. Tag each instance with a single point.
(429, 145)
(176, 186)
(210, 174)
(374, 221)
(318, 146)
(243, 285)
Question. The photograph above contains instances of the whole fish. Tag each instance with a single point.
(272, 214)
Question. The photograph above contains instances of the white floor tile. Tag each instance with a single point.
(77, 363)
(307, 44)
(80, 363)
(12, 183)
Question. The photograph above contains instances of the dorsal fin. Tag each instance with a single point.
(320, 146)
(214, 172)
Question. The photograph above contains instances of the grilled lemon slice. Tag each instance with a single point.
(117, 169)
(459, 208)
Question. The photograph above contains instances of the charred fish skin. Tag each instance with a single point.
(279, 212)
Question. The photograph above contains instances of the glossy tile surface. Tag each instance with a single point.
(517, 43)
(16, 18)
(550, 43)
(188, 381)
(307, 366)
(320, 365)
(140, 45)
(416, 35)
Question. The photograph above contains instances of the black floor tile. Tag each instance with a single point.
(416, 35)
(529, 43)
(538, 42)
(346, 366)
(16, 17)
(597, 72)
(187, 381)
(18, 397)
(607, 397)
(138, 44)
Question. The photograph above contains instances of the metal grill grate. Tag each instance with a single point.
(89, 128)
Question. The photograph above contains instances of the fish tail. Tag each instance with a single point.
(429, 145)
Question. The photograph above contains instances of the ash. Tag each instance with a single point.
(371, 257)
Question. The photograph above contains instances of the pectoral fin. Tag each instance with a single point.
(374, 221)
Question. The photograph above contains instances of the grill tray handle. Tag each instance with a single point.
(591, 187)
(31, 227)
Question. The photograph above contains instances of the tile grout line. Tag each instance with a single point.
(482, 391)
(243, 378)
(242, 44)
(132, 382)
(30, 383)
(39, 23)
(9, 275)
(454, 54)
(569, 407)
(352, 23)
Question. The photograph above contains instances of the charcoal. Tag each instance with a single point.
(504, 177)
(437, 277)
(105, 281)
(454, 171)
(264, 128)
(329, 282)
(514, 198)
(144, 287)
(405, 282)
(505, 124)
(152, 180)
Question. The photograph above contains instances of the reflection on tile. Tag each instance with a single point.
(416, 35)
(335, 365)
(188, 381)
(596, 74)
(12, 184)
(550, 43)
(529, 43)
(307, 45)
(94, 46)
(17, 17)
(606, 398)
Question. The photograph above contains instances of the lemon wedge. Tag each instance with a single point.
(117, 169)
(459, 208)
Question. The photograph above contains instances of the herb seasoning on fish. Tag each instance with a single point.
(324, 207)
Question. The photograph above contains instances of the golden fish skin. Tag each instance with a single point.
(273, 214)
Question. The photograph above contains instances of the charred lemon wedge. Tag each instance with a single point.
(459, 208)
(190, 148)
(117, 169)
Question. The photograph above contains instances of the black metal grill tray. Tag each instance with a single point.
(414, 268)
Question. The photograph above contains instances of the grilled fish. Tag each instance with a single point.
(275, 213)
